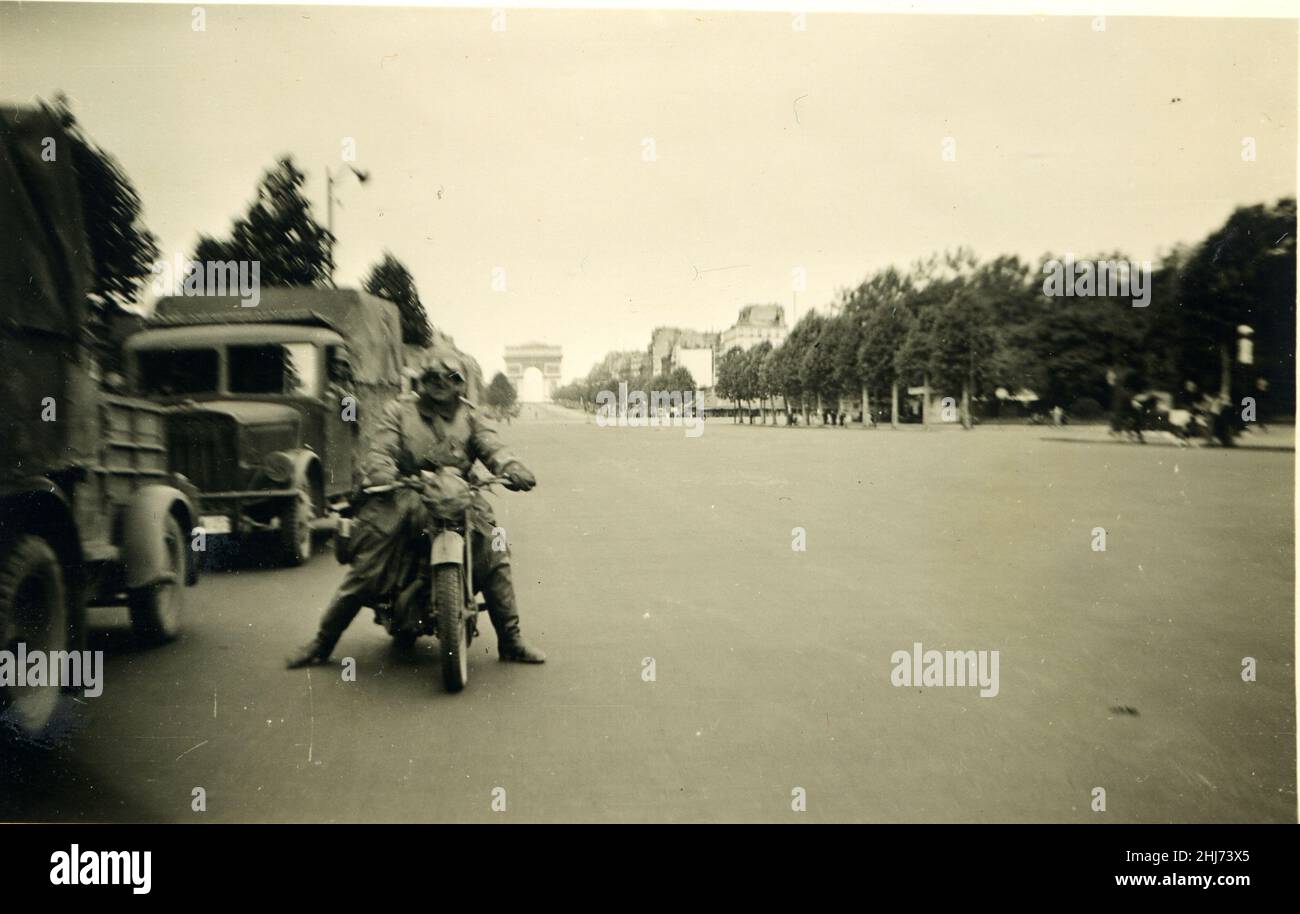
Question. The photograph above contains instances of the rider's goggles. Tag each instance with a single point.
(442, 377)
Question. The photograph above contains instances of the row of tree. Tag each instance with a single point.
(278, 230)
(281, 233)
(961, 327)
(583, 392)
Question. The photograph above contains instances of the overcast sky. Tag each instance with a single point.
(775, 148)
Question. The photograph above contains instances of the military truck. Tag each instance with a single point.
(89, 512)
(268, 408)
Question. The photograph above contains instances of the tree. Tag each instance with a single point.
(845, 330)
(279, 232)
(501, 396)
(1242, 274)
(1073, 341)
(789, 364)
(727, 384)
(883, 301)
(759, 371)
(123, 250)
(928, 347)
(677, 379)
(747, 381)
(968, 348)
(814, 369)
(390, 279)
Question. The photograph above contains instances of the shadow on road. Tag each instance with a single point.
(48, 782)
(256, 553)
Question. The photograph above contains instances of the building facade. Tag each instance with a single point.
(755, 324)
(697, 360)
(625, 365)
(665, 339)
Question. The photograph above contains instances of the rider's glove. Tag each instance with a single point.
(520, 476)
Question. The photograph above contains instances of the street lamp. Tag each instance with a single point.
(362, 178)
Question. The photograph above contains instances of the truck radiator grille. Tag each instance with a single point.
(204, 450)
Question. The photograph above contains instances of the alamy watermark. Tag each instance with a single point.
(936, 669)
(77, 867)
(22, 669)
(656, 409)
(1099, 278)
(196, 278)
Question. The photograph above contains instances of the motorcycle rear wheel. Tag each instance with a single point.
(453, 641)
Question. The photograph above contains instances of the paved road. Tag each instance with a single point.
(772, 667)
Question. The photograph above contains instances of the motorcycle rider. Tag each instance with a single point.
(437, 428)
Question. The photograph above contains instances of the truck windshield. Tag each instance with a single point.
(274, 368)
(169, 372)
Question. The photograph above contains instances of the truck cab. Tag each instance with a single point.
(266, 407)
(257, 420)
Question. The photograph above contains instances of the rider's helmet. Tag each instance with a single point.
(441, 367)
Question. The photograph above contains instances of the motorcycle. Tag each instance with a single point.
(441, 600)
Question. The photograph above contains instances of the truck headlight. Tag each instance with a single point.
(278, 467)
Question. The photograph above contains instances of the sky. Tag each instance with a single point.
(625, 170)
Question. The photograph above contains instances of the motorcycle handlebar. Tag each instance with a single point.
(415, 482)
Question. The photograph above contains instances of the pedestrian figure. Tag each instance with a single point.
(1261, 399)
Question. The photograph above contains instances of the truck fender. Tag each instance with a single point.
(143, 553)
(26, 501)
(303, 459)
(448, 549)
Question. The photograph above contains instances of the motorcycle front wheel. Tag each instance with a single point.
(453, 641)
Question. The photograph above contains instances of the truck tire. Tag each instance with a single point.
(33, 611)
(295, 526)
(156, 609)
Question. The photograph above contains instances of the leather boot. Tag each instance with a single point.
(338, 615)
(317, 650)
(499, 595)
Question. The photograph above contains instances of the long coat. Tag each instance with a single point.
(406, 441)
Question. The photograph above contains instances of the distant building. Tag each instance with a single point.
(697, 360)
(665, 339)
(625, 366)
(755, 324)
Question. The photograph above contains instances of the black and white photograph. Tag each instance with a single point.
(630, 415)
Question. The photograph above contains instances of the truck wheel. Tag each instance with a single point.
(295, 526)
(33, 612)
(156, 609)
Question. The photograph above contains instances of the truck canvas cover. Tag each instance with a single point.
(49, 419)
(371, 325)
(45, 261)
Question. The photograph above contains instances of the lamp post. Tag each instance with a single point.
(362, 178)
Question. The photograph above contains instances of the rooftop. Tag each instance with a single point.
(763, 315)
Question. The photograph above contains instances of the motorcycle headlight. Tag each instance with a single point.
(278, 467)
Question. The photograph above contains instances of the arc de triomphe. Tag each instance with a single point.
(534, 370)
